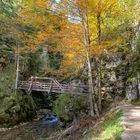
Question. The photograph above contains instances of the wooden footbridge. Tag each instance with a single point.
(51, 85)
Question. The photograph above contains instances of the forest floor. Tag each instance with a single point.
(107, 127)
(131, 122)
(29, 131)
(82, 130)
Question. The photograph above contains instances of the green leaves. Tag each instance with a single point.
(67, 106)
(6, 55)
(9, 7)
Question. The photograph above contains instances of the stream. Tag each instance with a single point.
(35, 130)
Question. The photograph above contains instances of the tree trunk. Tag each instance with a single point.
(91, 89)
(93, 106)
(99, 86)
(99, 67)
(17, 67)
(137, 87)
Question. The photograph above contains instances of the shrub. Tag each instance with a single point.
(15, 109)
(68, 106)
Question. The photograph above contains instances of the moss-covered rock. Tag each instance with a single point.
(14, 107)
(67, 107)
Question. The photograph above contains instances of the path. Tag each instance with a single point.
(131, 122)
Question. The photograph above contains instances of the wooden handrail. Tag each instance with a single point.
(51, 86)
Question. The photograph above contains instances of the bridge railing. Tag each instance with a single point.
(52, 86)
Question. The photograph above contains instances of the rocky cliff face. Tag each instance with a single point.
(114, 77)
(133, 90)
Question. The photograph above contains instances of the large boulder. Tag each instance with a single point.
(133, 90)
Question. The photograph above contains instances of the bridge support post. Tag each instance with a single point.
(51, 86)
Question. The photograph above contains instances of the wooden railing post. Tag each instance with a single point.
(51, 86)
(31, 83)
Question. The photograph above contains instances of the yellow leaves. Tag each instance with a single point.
(37, 3)
(46, 4)
(71, 44)
(27, 49)
(41, 3)
(99, 49)
(102, 6)
(69, 36)
(35, 13)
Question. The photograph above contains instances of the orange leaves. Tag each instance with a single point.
(102, 6)
(67, 34)
(99, 49)
(43, 4)
(71, 44)
(35, 13)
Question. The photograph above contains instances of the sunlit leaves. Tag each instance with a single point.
(10, 7)
(38, 23)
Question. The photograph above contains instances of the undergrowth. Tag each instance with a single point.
(110, 129)
(136, 103)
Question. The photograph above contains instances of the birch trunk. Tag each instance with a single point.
(93, 105)
(17, 67)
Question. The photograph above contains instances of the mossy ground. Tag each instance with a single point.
(136, 103)
(110, 129)
(15, 107)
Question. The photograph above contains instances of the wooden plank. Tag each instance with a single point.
(57, 87)
(58, 84)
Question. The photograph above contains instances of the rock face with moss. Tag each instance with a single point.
(68, 107)
(15, 107)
